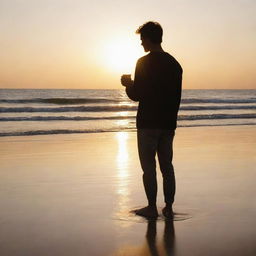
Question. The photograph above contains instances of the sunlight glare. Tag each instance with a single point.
(121, 54)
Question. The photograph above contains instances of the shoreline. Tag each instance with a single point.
(78, 132)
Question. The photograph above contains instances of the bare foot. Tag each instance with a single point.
(148, 212)
(168, 212)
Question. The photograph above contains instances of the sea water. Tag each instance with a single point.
(49, 111)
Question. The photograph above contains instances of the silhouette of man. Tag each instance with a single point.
(157, 87)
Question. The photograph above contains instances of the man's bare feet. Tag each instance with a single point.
(168, 212)
(148, 212)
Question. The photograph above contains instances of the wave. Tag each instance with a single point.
(216, 116)
(61, 101)
(74, 101)
(70, 109)
(48, 132)
(211, 125)
(65, 131)
(84, 118)
(225, 107)
(210, 100)
(114, 108)
(63, 118)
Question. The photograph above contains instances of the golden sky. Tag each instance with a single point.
(89, 44)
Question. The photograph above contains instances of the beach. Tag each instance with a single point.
(71, 194)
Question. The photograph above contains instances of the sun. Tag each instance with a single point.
(121, 54)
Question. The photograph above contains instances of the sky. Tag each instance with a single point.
(82, 44)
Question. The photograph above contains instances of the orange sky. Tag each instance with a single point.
(80, 44)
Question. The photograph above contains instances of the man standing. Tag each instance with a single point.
(157, 87)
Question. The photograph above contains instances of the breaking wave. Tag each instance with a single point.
(84, 118)
(113, 108)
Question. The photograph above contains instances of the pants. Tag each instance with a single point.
(150, 143)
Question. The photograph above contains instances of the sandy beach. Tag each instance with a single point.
(72, 195)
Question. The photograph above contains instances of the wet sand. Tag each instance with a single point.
(71, 195)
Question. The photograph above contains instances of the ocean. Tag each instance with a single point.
(26, 112)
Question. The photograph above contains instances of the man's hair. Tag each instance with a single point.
(152, 31)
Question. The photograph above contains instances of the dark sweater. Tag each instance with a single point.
(157, 87)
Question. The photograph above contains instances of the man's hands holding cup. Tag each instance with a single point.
(126, 80)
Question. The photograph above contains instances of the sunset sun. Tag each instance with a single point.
(120, 55)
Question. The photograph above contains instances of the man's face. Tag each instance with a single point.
(145, 43)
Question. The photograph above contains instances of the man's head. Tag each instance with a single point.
(151, 35)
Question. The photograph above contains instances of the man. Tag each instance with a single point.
(157, 87)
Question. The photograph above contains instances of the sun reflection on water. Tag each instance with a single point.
(122, 155)
(123, 113)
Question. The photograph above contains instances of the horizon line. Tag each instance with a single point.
(119, 88)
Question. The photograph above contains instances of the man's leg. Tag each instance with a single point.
(165, 154)
(147, 147)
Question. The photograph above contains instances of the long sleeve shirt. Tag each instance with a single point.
(157, 87)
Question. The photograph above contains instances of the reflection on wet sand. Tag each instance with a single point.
(122, 171)
(152, 245)
(168, 239)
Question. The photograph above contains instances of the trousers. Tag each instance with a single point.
(160, 142)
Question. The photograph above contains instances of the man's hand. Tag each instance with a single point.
(126, 80)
